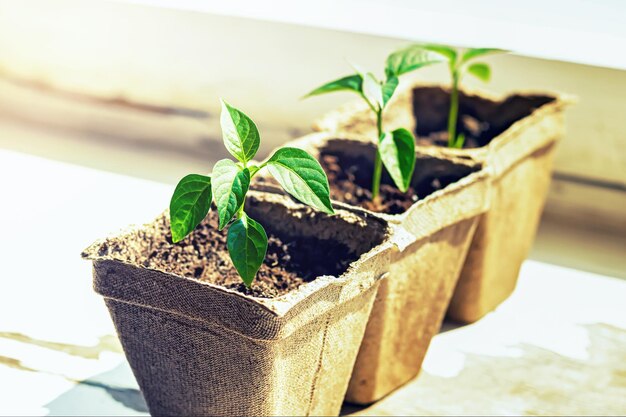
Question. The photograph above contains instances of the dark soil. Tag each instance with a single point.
(480, 119)
(345, 188)
(350, 182)
(469, 126)
(203, 255)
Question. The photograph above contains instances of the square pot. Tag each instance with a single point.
(516, 140)
(202, 349)
(435, 233)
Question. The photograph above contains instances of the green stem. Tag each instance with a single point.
(454, 109)
(378, 163)
(240, 211)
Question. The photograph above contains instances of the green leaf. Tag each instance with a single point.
(397, 150)
(409, 59)
(229, 185)
(349, 83)
(447, 52)
(247, 245)
(189, 205)
(476, 52)
(372, 90)
(241, 136)
(301, 176)
(480, 70)
(389, 88)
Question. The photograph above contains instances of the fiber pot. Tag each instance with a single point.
(411, 302)
(198, 348)
(515, 137)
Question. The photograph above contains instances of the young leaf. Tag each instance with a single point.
(190, 204)
(446, 51)
(473, 53)
(389, 88)
(247, 245)
(373, 90)
(349, 83)
(241, 136)
(409, 59)
(229, 185)
(301, 176)
(480, 70)
(397, 150)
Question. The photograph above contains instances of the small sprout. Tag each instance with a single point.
(297, 172)
(459, 63)
(396, 150)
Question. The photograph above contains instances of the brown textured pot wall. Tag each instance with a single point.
(411, 303)
(198, 349)
(408, 312)
(184, 368)
(504, 237)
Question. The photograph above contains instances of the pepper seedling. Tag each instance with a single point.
(396, 149)
(296, 171)
(459, 64)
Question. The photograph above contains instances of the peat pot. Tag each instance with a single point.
(199, 343)
(438, 218)
(515, 137)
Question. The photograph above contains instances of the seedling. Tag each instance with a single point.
(459, 64)
(396, 149)
(297, 172)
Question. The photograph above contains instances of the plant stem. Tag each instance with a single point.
(378, 163)
(239, 214)
(454, 109)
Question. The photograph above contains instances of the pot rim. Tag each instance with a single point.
(282, 304)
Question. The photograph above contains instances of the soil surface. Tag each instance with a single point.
(468, 126)
(203, 255)
(480, 119)
(344, 187)
(350, 182)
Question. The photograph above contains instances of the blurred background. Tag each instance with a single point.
(105, 105)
